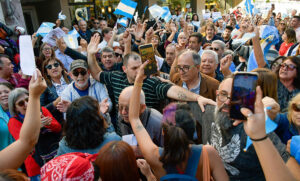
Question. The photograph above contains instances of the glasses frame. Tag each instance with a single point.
(83, 72)
(55, 65)
(289, 67)
(224, 96)
(184, 68)
(22, 102)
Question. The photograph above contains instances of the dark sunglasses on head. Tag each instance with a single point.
(22, 102)
(118, 55)
(82, 72)
(49, 66)
(296, 107)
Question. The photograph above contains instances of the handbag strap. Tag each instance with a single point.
(206, 166)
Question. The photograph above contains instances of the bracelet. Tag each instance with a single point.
(138, 84)
(259, 139)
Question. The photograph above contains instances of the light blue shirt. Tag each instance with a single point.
(196, 89)
(65, 59)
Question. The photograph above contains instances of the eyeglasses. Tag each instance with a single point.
(223, 97)
(289, 67)
(96, 23)
(184, 68)
(22, 102)
(118, 55)
(282, 23)
(49, 66)
(296, 107)
(82, 72)
(47, 49)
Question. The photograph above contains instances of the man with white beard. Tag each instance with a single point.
(229, 138)
(83, 85)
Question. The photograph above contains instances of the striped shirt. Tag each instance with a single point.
(154, 89)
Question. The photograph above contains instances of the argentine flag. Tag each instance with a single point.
(74, 33)
(123, 21)
(269, 36)
(156, 11)
(166, 15)
(249, 7)
(44, 29)
(126, 8)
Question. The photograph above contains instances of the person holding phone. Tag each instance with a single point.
(229, 137)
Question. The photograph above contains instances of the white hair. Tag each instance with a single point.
(213, 53)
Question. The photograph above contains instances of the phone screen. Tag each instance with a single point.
(147, 53)
(243, 94)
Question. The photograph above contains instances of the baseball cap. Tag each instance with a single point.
(78, 64)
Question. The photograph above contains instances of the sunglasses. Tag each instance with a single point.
(289, 67)
(296, 107)
(96, 23)
(118, 55)
(49, 66)
(22, 102)
(215, 49)
(82, 72)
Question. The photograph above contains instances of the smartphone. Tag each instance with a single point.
(243, 94)
(147, 53)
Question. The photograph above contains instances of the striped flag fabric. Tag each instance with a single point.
(126, 8)
(156, 11)
(44, 29)
(123, 21)
(166, 15)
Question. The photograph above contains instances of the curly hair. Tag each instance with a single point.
(84, 127)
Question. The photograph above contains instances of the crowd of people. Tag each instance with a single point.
(91, 113)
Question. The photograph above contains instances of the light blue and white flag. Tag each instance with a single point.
(156, 11)
(123, 21)
(136, 16)
(44, 29)
(126, 8)
(166, 15)
(74, 33)
(249, 7)
(61, 16)
(269, 36)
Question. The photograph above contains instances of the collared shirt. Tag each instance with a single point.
(60, 87)
(65, 59)
(196, 89)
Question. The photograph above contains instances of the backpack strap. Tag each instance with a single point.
(193, 160)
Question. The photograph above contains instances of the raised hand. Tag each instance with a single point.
(92, 48)
(139, 31)
(63, 105)
(37, 84)
(104, 106)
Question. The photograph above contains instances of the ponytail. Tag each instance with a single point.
(176, 145)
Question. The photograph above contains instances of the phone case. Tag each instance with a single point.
(147, 53)
(243, 95)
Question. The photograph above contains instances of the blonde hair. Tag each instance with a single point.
(294, 100)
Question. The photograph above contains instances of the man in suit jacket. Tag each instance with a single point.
(185, 72)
